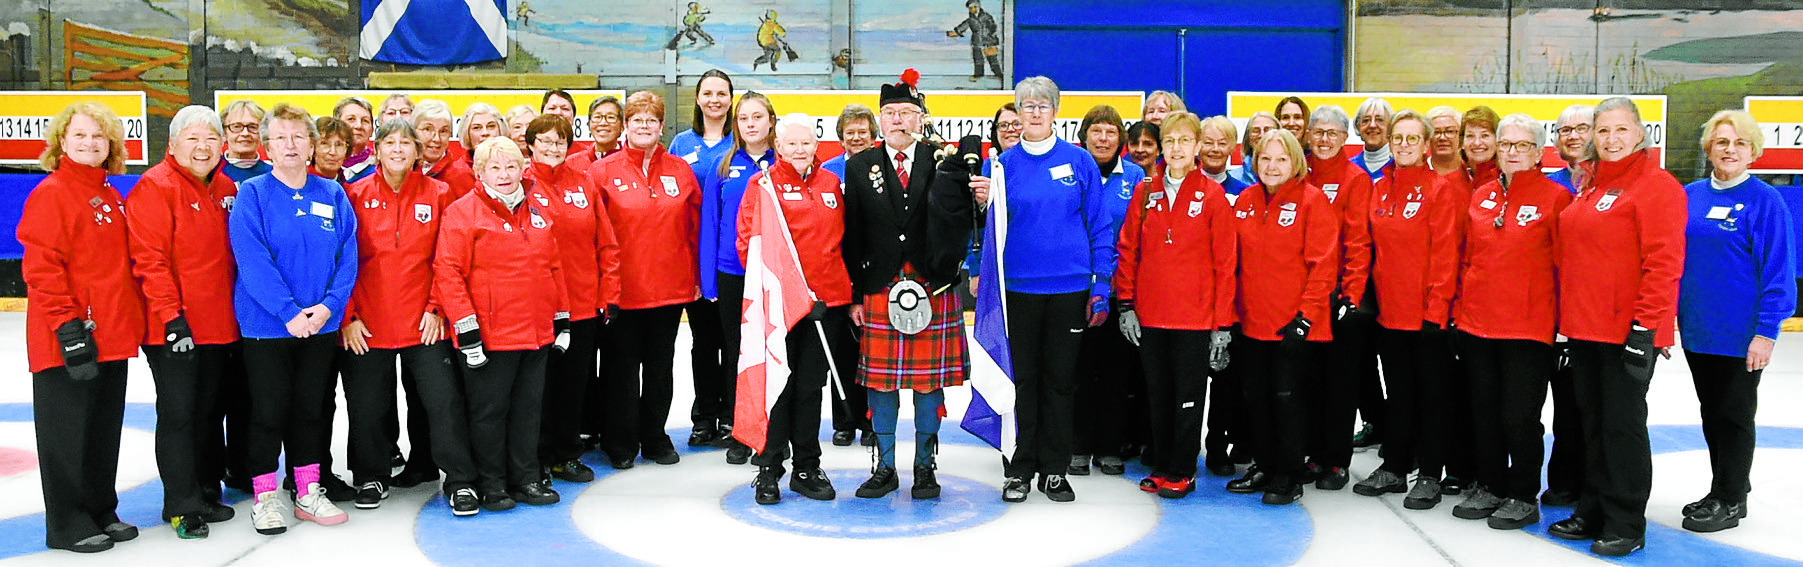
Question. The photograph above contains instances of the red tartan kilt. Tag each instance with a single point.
(934, 358)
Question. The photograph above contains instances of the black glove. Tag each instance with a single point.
(469, 342)
(178, 338)
(608, 315)
(80, 356)
(1296, 332)
(1638, 353)
(560, 328)
(1343, 307)
(818, 311)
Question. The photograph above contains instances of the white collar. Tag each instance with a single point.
(1039, 148)
(1218, 177)
(907, 151)
(1378, 156)
(512, 201)
(1719, 185)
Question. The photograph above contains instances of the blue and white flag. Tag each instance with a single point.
(991, 413)
(434, 32)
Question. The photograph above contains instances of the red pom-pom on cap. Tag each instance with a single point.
(911, 77)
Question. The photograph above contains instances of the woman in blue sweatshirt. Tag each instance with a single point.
(1057, 281)
(294, 237)
(722, 276)
(1739, 284)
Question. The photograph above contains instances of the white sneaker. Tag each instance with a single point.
(266, 515)
(315, 507)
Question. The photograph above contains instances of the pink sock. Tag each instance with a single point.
(305, 476)
(263, 483)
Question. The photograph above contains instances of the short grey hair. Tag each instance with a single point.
(1577, 114)
(1523, 120)
(854, 112)
(256, 110)
(795, 119)
(1427, 126)
(338, 109)
(431, 108)
(1036, 88)
(1621, 103)
(404, 127)
(471, 112)
(191, 115)
(407, 100)
(1331, 114)
(1443, 110)
(1371, 104)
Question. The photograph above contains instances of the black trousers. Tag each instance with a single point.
(1506, 395)
(567, 378)
(290, 385)
(1360, 362)
(1417, 369)
(232, 407)
(1044, 332)
(637, 391)
(1226, 431)
(370, 405)
(190, 446)
(504, 399)
(1176, 367)
(419, 426)
(1274, 378)
(732, 305)
(444, 407)
(1106, 364)
(851, 413)
(794, 427)
(1334, 391)
(1727, 396)
(77, 425)
(1565, 465)
(711, 376)
(1619, 465)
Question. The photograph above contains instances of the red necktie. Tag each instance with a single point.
(901, 168)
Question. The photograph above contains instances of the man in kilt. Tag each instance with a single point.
(902, 249)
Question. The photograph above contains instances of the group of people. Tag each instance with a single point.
(526, 294)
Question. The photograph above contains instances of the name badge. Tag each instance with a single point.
(1061, 171)
(1718, 213)
(1409, 210)
(669, 185)
(791, 196)
(1488, 204)
(322, 210)
(692, 157)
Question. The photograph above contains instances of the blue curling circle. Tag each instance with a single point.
(962, 504)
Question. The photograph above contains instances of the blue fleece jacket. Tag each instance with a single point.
(1563, 177)
(1739, 267)
(1118, 189)
(1059, 231)
(691, 148)
(836, 165)
(239, 174)
(720, 199)
(295, 248)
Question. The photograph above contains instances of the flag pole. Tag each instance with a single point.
(825, 347)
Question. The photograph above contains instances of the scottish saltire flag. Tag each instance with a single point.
(776, 298)
(991, 412)
(434, 32)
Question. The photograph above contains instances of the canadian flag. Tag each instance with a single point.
(776, 298)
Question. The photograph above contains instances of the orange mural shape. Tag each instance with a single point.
(95, 57)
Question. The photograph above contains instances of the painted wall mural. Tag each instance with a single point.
(1705, 54)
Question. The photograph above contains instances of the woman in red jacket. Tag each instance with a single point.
(1621, 252)
(182, 258)
(1506, 316)
(432, 120)
(1175, 282)
(1289, 247)
(1446, 149)
(1335, 389)
(655, 206)
(808, 198)
(585, 238)
(392, 315)
(1478, 131)
(1415, 263)
(498, 278)
(83, 320)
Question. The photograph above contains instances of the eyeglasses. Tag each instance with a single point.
(1036, 107)
(1523, 147)
(1575, 129)
(607, 118)
(550, 140)
(1013, 126)
(292, 140)
(1724, 144)
(241, 127)
(889, 113)
(644, 122)
(1173, 140)
(1327, 133)
(1408, 140)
